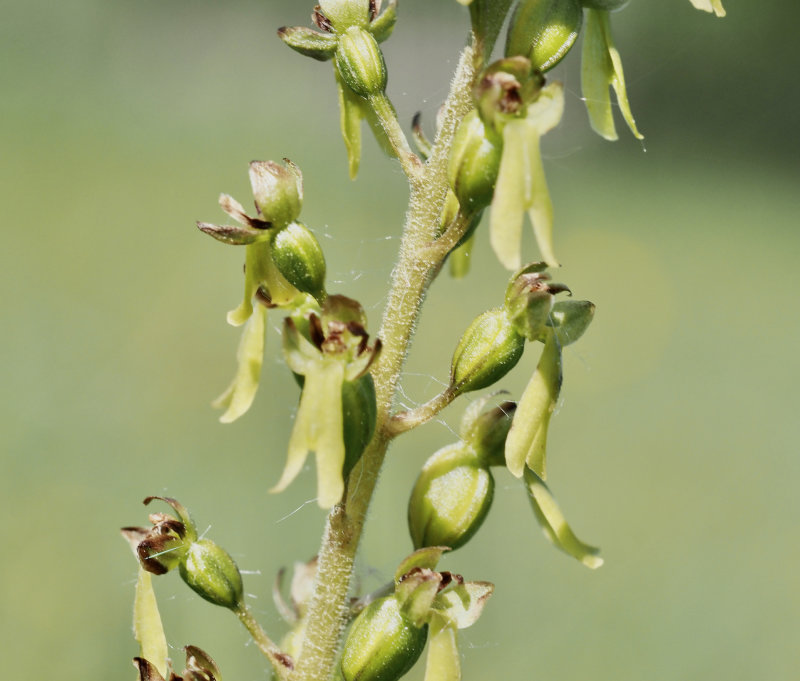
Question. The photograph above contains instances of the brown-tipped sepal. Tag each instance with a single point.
(212, 574)
(308, 42)
(488, 350)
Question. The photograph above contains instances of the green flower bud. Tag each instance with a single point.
(359, 413)
(299, 258)
(487, 351)
(162, 547)
(570, 319)
(607, 5)
(382, 644)
(212, 574)
(544, 31)
(474, 163)
(278, 191)
(450, 499)
(360, 62)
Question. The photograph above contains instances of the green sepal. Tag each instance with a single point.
(318, 428)
(299, 258)
(382, 26)
(426, 558)
(463, 603)
(526, 443)
(602, 67)
(570, 319)
(308, 42)
(239, 395)
(544, 31)
(212, 574)
(710, 6)
(416, 593)
(346, 13)
(488, 350)
(554, 524)
(147, 627)
(277, 190)
(183, 515)
(521, 183)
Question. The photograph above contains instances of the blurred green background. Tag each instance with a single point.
(674, 449)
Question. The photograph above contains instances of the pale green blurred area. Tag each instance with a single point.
(676, 444)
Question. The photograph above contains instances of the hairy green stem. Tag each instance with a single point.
(328, 611)
(408, 420)
(280, 662)
(410, 162)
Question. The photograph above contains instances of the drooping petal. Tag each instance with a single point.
(710, 6)
(526, 443)
(602, 66)
(443, 662)
(318, 428)
(147, 627)
(554, 524)
(239, 395)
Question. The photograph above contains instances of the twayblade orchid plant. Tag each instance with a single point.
(485, 157)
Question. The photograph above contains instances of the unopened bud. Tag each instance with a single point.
(360, 62)
(487, 351)
(474, 163)
(212, 574)
(299, 258)
(544, 31)
(278, 191)
(450, 499)
(382, 644)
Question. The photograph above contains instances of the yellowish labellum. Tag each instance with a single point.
(443, 662)
(239, 395)
(602, 67)
(521, 183)
(318, 428)
(554, 524)
(526, 444)
(147, 627)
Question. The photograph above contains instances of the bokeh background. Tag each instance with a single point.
(674, 448)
